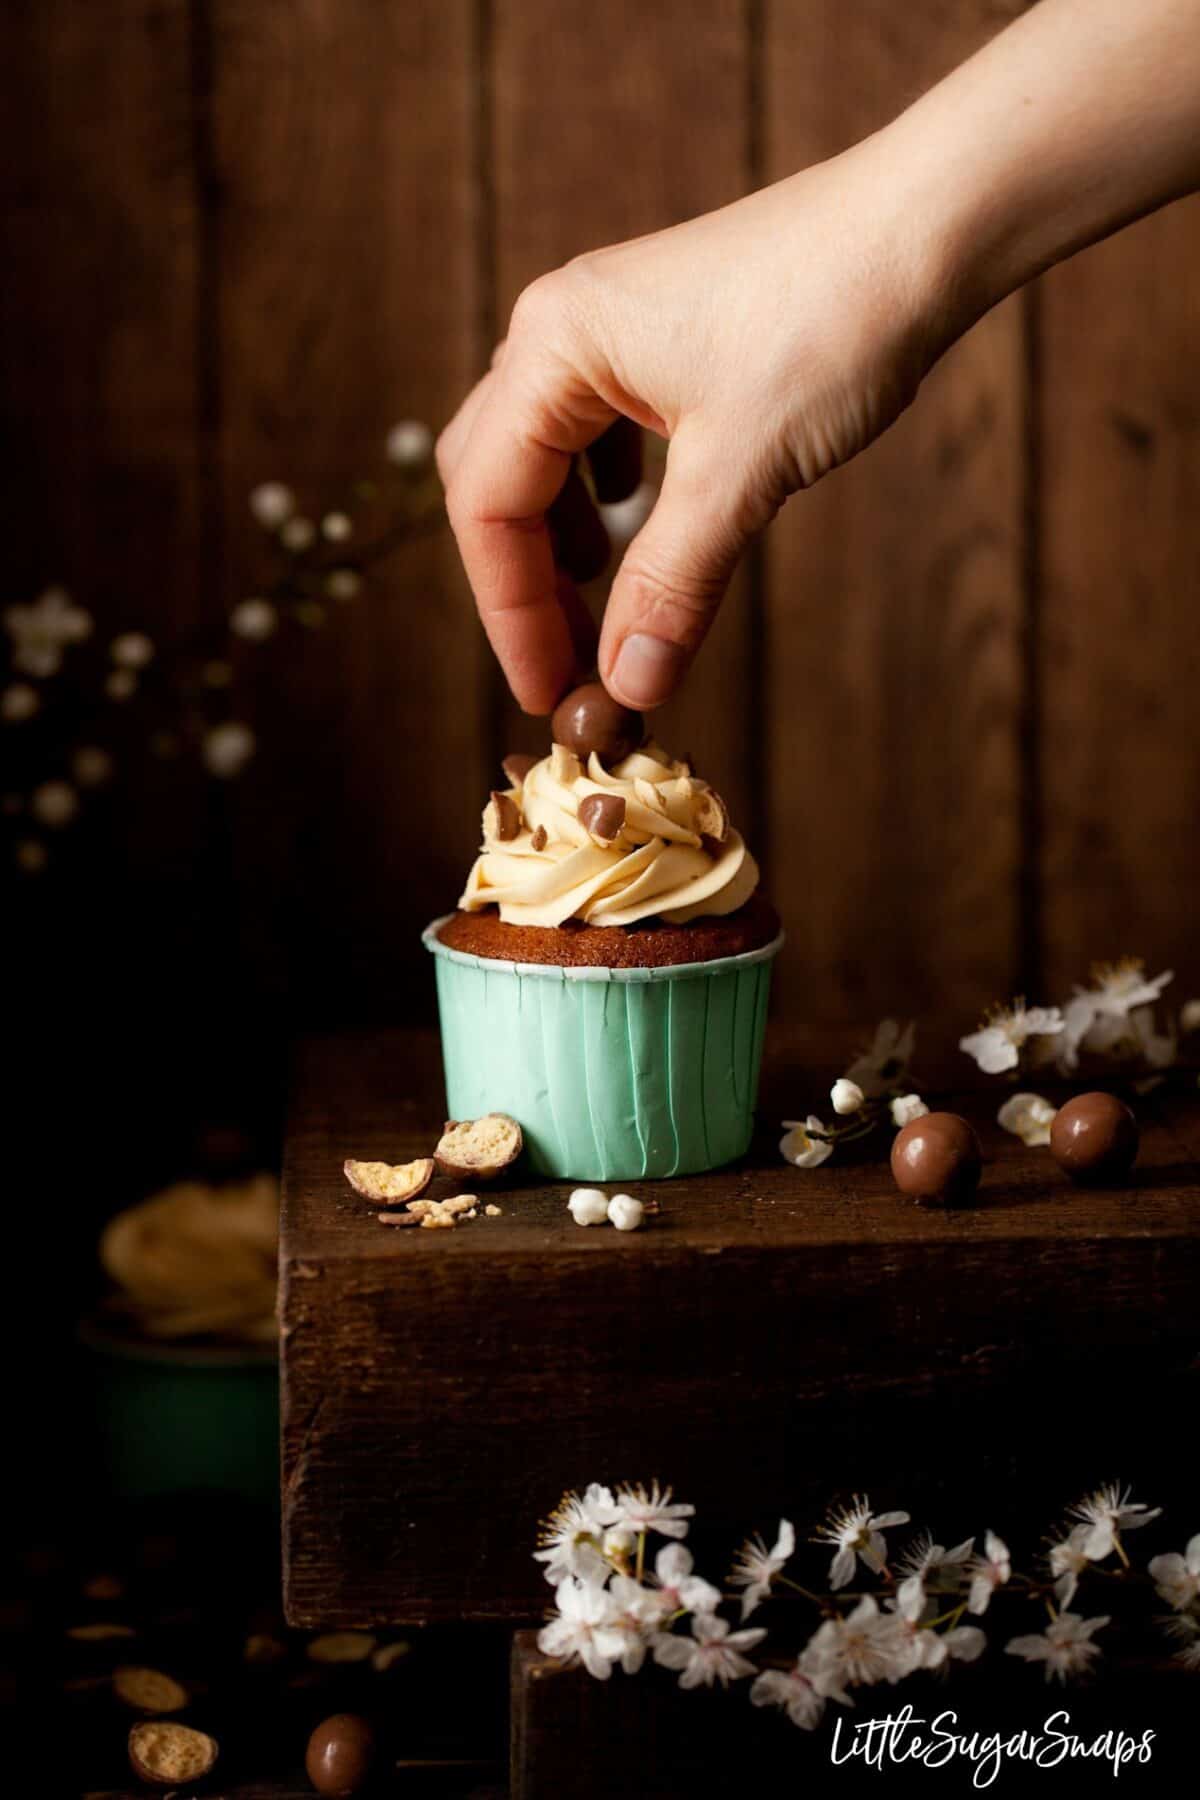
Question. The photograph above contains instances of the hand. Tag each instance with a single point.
(768, 342)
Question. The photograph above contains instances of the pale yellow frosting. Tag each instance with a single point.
(674, 858)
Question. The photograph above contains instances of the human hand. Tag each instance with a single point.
(768, 342)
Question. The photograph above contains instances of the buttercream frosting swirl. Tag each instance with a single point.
(673, 855)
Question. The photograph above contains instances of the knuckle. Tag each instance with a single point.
(538, 305)
(681, 600)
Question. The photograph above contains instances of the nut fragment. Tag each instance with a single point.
(167, 1754)
(149, 1690)
(397, 1218)
(479, 1149)
(389, 1184)
(341, 1647)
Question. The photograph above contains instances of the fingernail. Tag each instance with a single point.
(647, 669)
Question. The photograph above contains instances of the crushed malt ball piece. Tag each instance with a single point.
(169, 1755)
(458, 1203)
(438, 1221)
(149, 1690)
(388, 1655)
(399, 1218)
(501, 818)
(712, 816)
(97, 1634)
(341, 1647)
(493, 1212)
(539, 840)
(261, 1650)
(478, 1149)
(389, 1184)
(473, 1214)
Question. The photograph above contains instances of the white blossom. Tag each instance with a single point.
(272, 503)
(1177, 1578)
(846, 1096)
(228, 748)
(800, 1147)
(1189, 1017)
(651, 1509)
(343, 584)
(1068, 1560)
(988, 1572)
(676, 1588)
(41, 631)
(794, 1690)
(336, 527)
(1107, 1513)
(924, 1557)
(19, 702)
(625, 1212)
(1184, 1630)
(712, 1653)
(91, 766)
(865, 1647)
(907, 1107)
(132, 650)
(409, 444)
(588, 1206)
(297, 534)
(121, 684)
(998, 1043)
(586, 1629)
(254, 620)
(1065, 1646)
(54, 803)
(572, 1536)
(1027, 1116)
(857, 1531)
(885, 1064)
(756, 1567)
(1097, 1018)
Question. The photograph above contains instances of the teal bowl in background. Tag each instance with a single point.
(612, 1074)
(174, 1419)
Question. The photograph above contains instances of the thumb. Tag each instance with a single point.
(673, 576)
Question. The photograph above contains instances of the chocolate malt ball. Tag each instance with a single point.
(341, 1755)
(1094, 1138)
(937, 1158)
(590, 719)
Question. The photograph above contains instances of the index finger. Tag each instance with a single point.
(513, 466)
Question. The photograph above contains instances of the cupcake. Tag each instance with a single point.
(604, 979)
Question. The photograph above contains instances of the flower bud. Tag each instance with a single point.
(846, 1096)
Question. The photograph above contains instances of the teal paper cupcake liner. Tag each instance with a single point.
(612, 1074)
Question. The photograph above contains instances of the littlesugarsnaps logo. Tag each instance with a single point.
(903, 1738)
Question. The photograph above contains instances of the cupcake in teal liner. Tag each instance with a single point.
(605, 978)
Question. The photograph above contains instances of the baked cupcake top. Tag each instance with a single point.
(570, 838)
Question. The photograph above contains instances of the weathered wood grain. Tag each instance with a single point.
(598, 137)
(570, 1734)
(1118, 635)
(893, 666)
(344, 166)
(772, 1335)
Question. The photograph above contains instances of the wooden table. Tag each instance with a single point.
(771, 1338)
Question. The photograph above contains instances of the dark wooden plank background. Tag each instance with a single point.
(953, 694)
